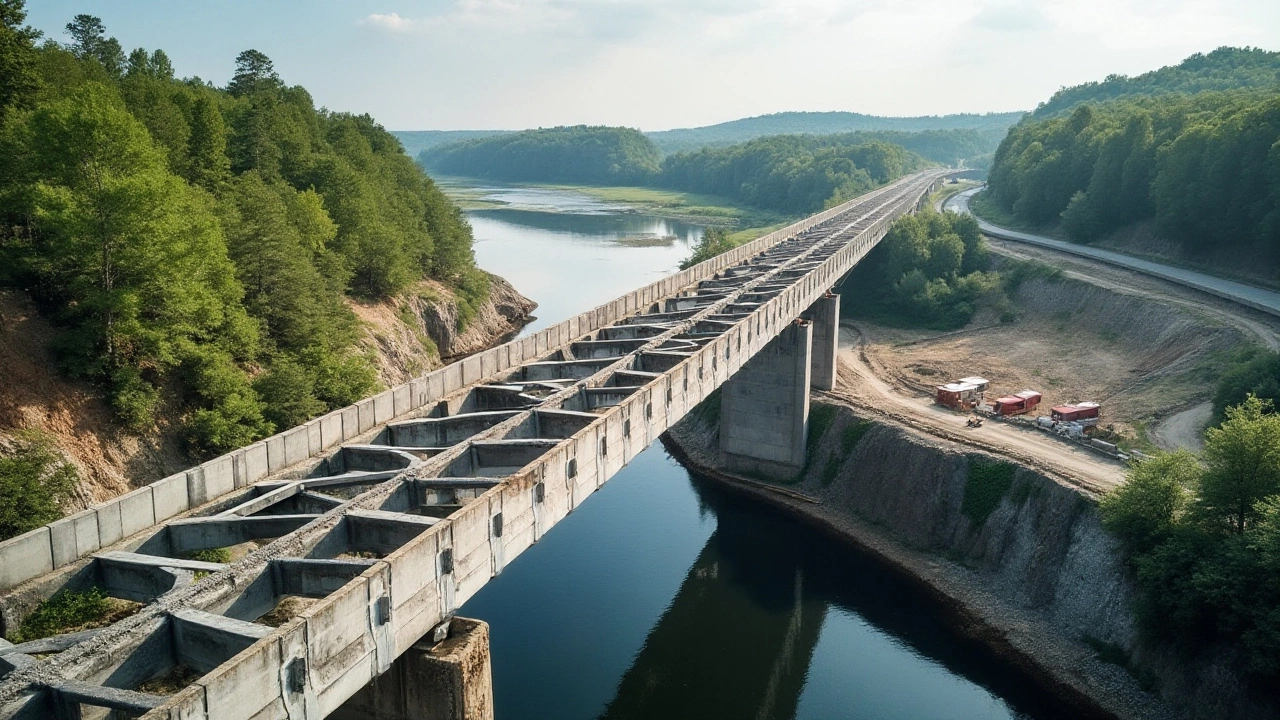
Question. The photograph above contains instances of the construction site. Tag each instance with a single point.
(1098, 364)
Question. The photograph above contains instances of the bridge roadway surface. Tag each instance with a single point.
(1268, 301)
(390, 514)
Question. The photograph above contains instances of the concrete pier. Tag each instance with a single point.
(825, 316)
(764, 408)
(451, 680)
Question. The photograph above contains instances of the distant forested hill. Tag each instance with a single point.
(972, 148)
(1201, 167)
(1226, 68)
(577, 154)
(415, 141)
(789, 173)
(823, 123)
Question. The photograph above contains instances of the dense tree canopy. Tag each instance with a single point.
(1203, 538)
(1226, 68)
(929, 270)
(194, 244)
(789, 173)
(1201, 167)
(580, 154)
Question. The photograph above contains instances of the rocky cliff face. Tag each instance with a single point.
(418, 330)
(1025, 555)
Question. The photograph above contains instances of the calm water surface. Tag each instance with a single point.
(571, 252)
(662, 598)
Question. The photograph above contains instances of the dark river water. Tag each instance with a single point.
(665, 598)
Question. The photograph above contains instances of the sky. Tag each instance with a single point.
(660, 64)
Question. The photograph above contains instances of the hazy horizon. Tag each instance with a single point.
(660, 64)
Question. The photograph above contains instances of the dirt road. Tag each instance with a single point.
(861, 386)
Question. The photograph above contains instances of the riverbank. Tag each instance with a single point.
(1022, 559)
(746, 222)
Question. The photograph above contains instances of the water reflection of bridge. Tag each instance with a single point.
(737, 640)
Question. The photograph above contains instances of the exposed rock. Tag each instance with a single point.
(1039, 573)
(417, 331)
(502, 315)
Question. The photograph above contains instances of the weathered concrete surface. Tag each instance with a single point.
(764, 409)
(449, 681)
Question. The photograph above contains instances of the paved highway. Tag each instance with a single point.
(1267, 301)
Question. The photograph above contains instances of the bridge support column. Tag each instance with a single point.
(764, 408)
(825, 316)
(448, 681)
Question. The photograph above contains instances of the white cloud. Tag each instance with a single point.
(664, 63)
(392, 22)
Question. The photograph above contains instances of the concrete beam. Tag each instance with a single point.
(203, 641)
(143, 578)
(349, 479)
(264, 501)
(70, 693)
(193, 534)
(315, 578)
(384, 532)
(54, 644)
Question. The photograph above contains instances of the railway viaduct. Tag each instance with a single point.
(359, 534)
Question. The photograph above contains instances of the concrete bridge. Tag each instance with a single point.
(356, 536)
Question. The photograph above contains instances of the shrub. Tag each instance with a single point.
(35, 484)
(64, 612)
(986, 486)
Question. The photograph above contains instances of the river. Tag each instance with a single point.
(663, 597)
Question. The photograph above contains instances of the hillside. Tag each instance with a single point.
(404, 336)
(823, 123)
(579, 154)
(184, 267)
(415, 141)
(1160, 168)
(1226, 68)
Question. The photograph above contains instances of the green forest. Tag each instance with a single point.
(826, 123)
(789, 173)
(792, 174)
(194, 244)
(1200, 167)
(930, 270)
(578, 154)
(1202, 536)
(1226, 68)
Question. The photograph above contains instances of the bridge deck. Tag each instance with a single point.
(380, 531)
